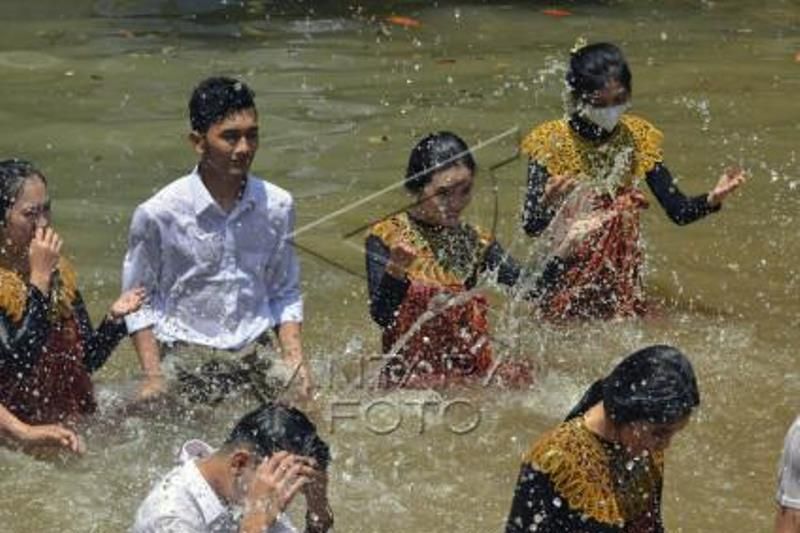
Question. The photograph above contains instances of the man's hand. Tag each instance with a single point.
(730, 180)
(43, 255)
(275, 483)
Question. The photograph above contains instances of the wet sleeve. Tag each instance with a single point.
(142, 267)
(386, 292)
(535, 216)
(97, 344)
(283, 277)
(21, 343)
(538, 507)
(789, 472)
(507, 268)
(681, 209)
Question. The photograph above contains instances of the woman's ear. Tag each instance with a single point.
(198, 142)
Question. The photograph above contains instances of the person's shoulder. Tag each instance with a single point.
(544, 133)
(648, 140)
(274, 195)
(167, 501)
(640, 127)
(391, 229)
(792, 439)
(175, 193)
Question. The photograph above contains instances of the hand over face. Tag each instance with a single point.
(43, 255)
(277, 480)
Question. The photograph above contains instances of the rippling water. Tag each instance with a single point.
(95, 92)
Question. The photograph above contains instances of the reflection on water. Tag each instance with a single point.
(96, 92)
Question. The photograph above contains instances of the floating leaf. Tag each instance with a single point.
(556, 12)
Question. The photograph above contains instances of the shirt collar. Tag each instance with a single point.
(203, 201)
(207, 500)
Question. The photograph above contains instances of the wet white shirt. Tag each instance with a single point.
(184, 502)
(789, 470)
(213, 278)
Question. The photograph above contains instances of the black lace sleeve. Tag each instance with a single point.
(535, 216)
(21, 343)
(681, 209)
(97, 344)
(538, 507)
(386, 293)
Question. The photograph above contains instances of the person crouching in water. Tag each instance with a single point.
(48, 347)
(602, 469)
(272, 454)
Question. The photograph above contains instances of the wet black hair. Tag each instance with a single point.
(594, 66)
(435, 153)
(276, 427)
(655, 384)
(13, 173)
(216, 98)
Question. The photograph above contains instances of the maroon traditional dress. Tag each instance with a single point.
(48, 349)
(439, 334)
(604, 278)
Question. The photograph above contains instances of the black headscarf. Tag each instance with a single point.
(656, 384)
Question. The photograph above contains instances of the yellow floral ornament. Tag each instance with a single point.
(14, 293)
(622, 160)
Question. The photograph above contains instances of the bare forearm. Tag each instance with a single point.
(146, 346)
(10, 425)
(787, 520)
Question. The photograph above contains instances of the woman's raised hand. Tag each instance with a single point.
(127, 303)
(730, 180)
(556, 188)
(43, 254)
(401, 255)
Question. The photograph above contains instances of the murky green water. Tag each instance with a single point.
(95, 92)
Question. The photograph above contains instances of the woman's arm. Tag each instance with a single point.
(97, 344)
(509, 270)
(23, 433)
(386, 291)
(537, 504)
(681, 209)
(536, 216)
(21, 342)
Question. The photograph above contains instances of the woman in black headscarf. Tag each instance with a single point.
(601, 470)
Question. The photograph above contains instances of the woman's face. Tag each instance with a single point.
(613, 94)
(641, 436)
(444, 198)
(31, 210)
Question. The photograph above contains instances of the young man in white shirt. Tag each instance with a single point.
(213, 248)
(787, 519)
(272, 454)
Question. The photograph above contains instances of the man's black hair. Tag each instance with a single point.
(214, 99)
(276, 427)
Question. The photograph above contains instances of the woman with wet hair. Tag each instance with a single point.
(422, 267)
(587, 170)
(48, 347)
(601, 470)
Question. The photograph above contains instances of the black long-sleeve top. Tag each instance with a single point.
(386, 292)
(21, 343)
(681, 209)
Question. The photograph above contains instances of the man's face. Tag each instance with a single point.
(228, 147)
